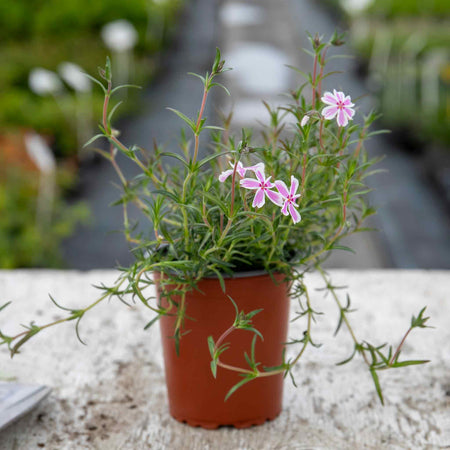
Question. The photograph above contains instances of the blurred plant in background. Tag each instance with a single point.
(405, 46)
(45, 47)
(47, 33)
(26, 240)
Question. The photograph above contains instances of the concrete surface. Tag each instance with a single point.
(110, 394)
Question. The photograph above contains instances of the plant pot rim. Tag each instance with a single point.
(244, 274)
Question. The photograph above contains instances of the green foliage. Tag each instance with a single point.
(23, 243)
(395, 8)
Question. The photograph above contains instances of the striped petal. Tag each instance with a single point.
(284, 210)
(224, 175)
(349, 111)
(329, 99)
(339, 95)
(259, 172)
(294, 214)
(329, 112)
(348, 101)
(294, 185)
(342, 119)
(259, 199)
(250, 183)
(259, 167)
(282, 188)
(275, 197)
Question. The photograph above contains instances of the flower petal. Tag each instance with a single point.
(282, 188)
(294, 185)
(225, 174)
(329, 99)
(250, 183)
(284, 210)
(339, 95)
(259, 199)
(259, 166)
(259, 172)
(329, 112)
(294, 214)
(275, 197)
(349, 111)
(348, 101)
(342, 118)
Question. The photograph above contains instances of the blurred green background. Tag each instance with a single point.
(44, 34)
(404, 50)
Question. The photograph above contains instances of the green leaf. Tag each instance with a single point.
(211, 346)
(123, 86)
(77, 331)
(303, 74)
(113, 110)
(216, 63)
(220, 278)
(238, 385)
(198, 76)
(376, 381)
(96, 81)
(27, 337)
(221, 86)
(254, 330)
(94, 138)
(5, 305)
(420, 321)
(214, 127)
(213, 365)
(59, 306)
(345, 361)
(410, 363)
(108, 69)
(235, 306)
(153, 321)
(342, 247)
(176, 156)
(253, 313)
(186, 119)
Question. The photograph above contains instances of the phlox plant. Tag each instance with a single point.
(280, 202)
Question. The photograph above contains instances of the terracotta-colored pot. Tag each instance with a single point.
(195, 396)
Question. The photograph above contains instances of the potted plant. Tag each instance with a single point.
(231, 237)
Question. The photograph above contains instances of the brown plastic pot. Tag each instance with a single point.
(195, 396)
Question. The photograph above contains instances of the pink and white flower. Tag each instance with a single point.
(263, 187)
(289, 198)
(241, 170)
(340, 106)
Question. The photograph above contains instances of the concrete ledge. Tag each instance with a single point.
(111, 393)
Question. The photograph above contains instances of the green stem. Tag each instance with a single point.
(344, 316)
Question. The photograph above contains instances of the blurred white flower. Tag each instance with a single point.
(119, 35)
(304, 121)
(40, 153)
(74, 76)
(355, 6)
(44, 82)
